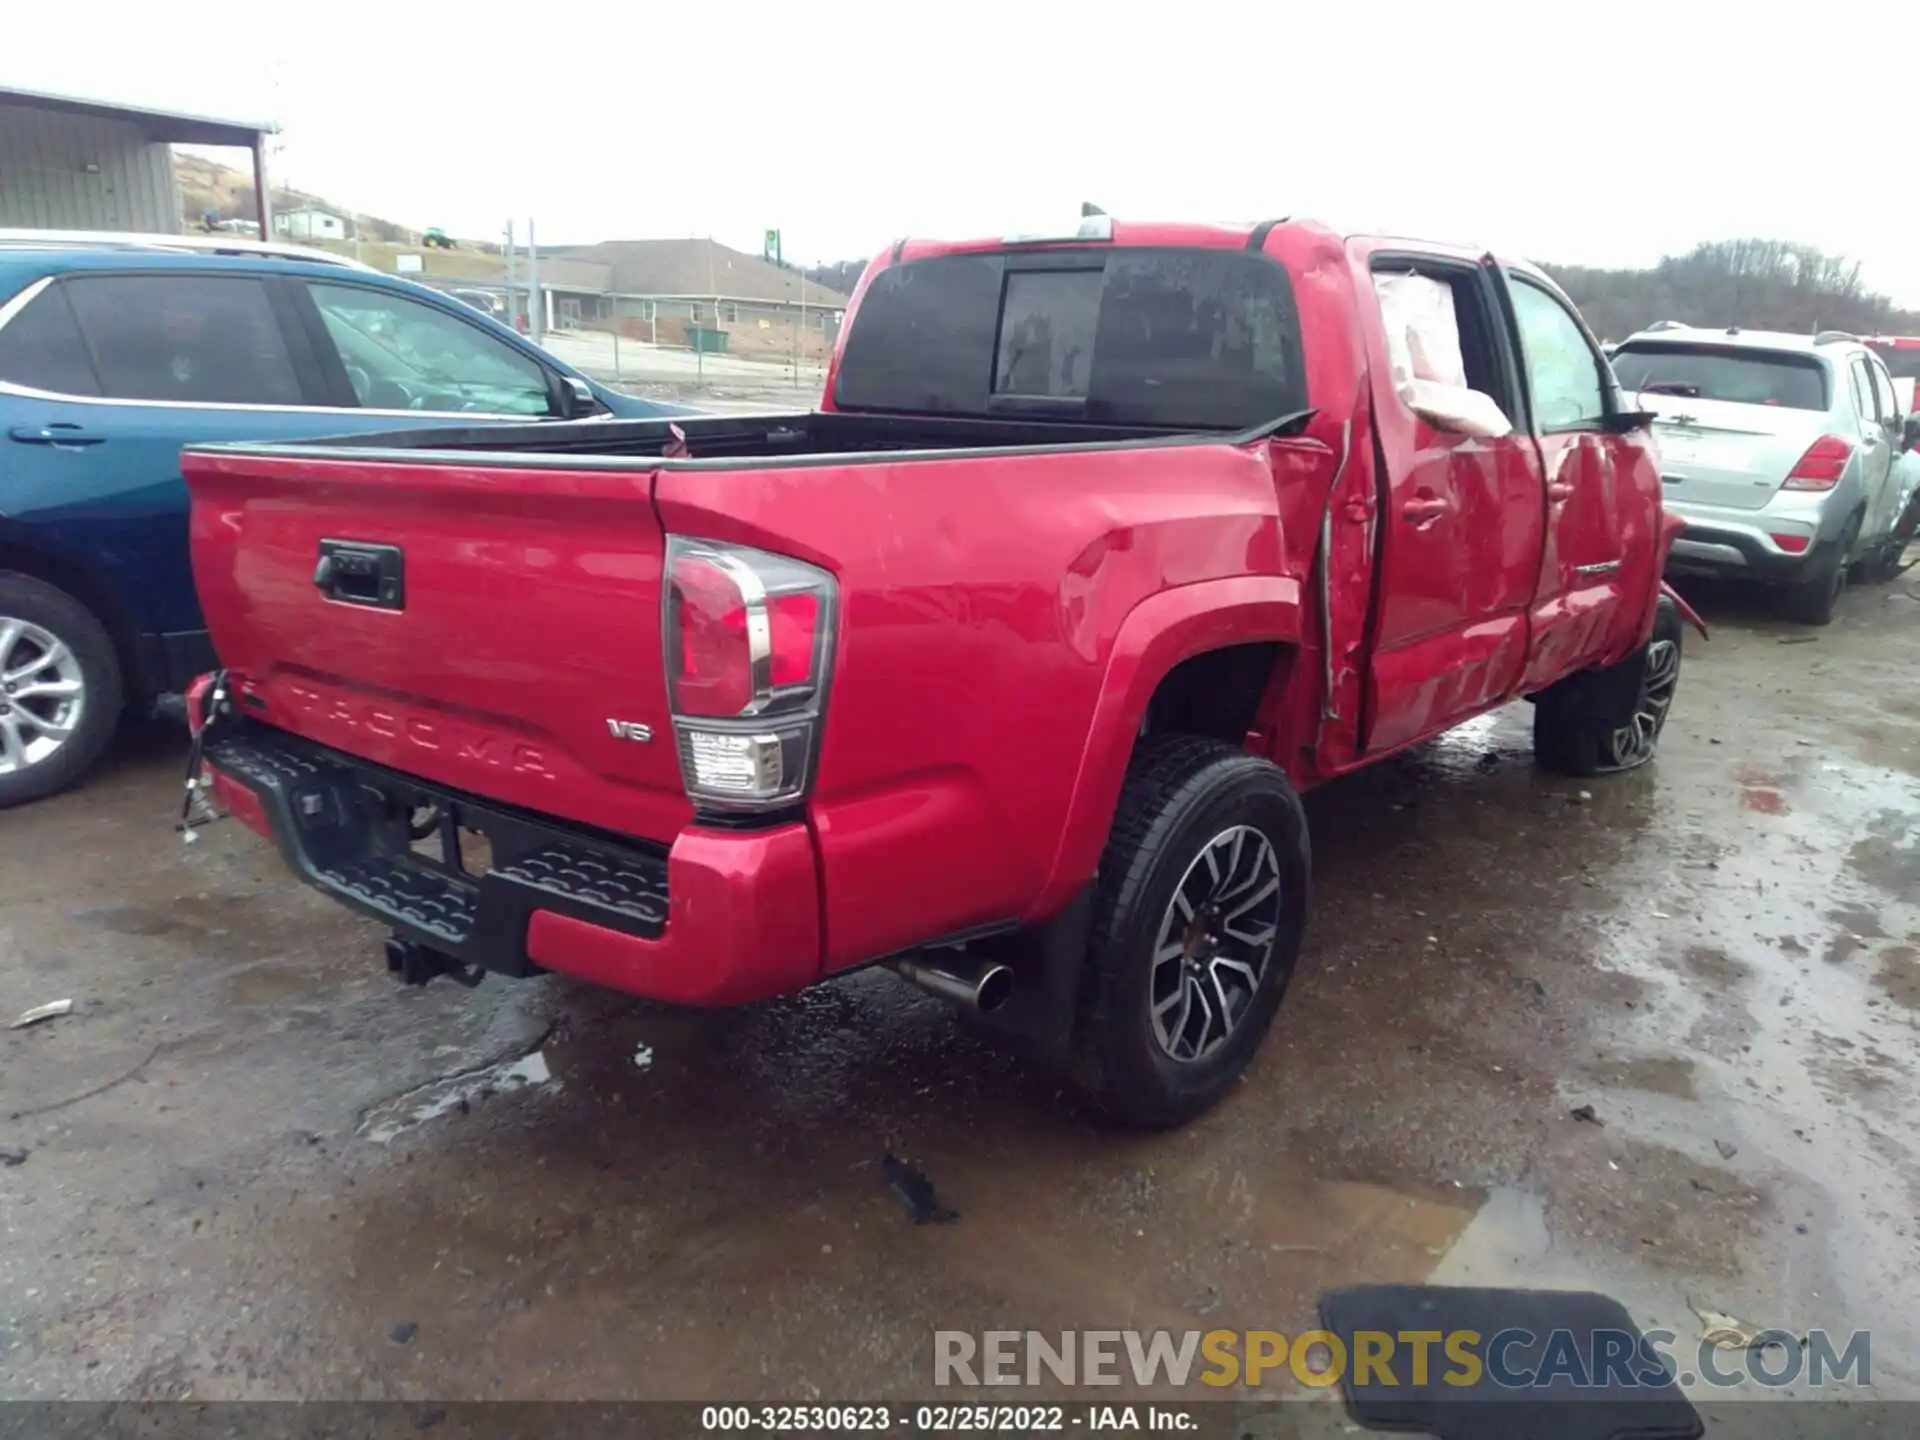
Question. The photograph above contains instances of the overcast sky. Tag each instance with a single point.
(1578, 133)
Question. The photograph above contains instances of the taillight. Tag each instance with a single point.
(1792, 544)
(1821, 467)
(749, 639)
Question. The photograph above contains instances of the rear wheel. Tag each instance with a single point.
(1198, 916)
(60, 689)
(1611, 720)
(1886, 565)
(1812, 601)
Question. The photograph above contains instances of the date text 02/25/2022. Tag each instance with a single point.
(944, 1419)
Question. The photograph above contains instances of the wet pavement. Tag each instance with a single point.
(253, 1168)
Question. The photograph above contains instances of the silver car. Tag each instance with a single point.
(1778, 451)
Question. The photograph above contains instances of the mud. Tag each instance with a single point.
(251, 1162)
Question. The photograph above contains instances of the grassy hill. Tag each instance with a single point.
(462, 264)
(208, 185)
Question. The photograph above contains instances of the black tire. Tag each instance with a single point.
(1183, 794)
(1609, 721)
(1885, 565)
(55, 613)
(1812, 601)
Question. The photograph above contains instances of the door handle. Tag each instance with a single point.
(1425, 509)
(1558, 490)
(58, 433)
(362, 574)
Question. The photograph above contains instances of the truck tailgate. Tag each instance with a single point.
(526, 617)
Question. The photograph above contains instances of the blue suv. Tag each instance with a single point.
(115, 352)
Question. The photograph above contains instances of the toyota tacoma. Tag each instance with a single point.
(1003, 668)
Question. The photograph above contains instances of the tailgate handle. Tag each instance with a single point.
(355, 573)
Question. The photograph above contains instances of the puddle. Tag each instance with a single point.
(386, 1121)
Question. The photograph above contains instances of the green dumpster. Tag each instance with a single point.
(706, 341)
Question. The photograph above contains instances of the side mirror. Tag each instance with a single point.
(1625, 422)
(1910, 434)
(578, 399)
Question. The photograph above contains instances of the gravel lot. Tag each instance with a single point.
(248, 1158)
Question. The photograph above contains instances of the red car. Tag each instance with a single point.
(1901, 353)
(1004, 668)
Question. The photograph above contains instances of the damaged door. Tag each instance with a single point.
(1600, 486)
(1460, 524)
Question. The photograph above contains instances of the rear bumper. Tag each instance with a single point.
(720, 918)
(1713, 550)
(1715, 543)
(1720, 540)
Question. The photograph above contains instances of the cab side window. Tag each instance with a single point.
(400, 354)
(1439, 328)
(41, 348)
(1883, 387)
(198, 339)
(1865, 403)
(1563, 369)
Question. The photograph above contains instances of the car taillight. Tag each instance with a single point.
(749, 640)
(1821, 467)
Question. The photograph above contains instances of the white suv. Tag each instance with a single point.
(1778, 451)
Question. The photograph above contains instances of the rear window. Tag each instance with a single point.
(41, 348)
(1174, 338)
(1744, 377)
(202, 339)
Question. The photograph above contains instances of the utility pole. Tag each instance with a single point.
(512, 305)
(262, 187)
(800, 335)
(700, 340)
(537, 317)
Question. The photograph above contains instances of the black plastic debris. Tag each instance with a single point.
(916, 1192)
(11, 1158)
(1641, 1403)
(403, 1332)
(1585, 1112)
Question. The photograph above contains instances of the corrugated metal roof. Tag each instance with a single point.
(174, 127)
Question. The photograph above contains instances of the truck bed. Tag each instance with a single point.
(763, 439)
(514, 652)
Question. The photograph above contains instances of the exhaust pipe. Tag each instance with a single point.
(982, 985)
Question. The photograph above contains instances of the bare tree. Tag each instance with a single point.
(1754, 283)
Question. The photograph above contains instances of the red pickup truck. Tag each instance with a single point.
(1003, 668)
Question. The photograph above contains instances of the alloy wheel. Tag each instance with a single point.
(1214, 943)
(1634, 743)
(42, 694)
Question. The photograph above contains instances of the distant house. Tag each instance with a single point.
(705, 283)
(311, 223)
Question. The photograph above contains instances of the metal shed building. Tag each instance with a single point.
(73, 164)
